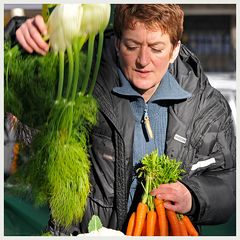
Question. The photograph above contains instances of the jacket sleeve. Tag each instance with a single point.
(212, 177)
(11, 28)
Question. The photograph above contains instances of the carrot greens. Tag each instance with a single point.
(154, 170)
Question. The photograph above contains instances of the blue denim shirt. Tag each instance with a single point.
(157, 111)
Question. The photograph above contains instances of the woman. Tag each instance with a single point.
(146, 72)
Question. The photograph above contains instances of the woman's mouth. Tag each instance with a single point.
(142, 73)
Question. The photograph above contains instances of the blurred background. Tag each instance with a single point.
(209, 32)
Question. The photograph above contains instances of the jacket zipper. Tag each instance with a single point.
(147, 123)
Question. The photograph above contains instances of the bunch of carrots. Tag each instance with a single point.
(151, 218)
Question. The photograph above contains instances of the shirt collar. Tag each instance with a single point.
(168, 89)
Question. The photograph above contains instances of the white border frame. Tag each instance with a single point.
(115, 2)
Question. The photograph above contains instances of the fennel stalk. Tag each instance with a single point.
(58, 168)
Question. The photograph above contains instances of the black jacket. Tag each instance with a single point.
(204, 122)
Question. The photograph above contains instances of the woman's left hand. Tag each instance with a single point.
(175, 195)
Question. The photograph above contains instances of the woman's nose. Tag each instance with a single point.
(143, 58)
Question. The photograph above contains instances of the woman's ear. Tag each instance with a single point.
(175, 52)
(117, 44)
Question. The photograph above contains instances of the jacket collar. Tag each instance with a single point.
(168, 89)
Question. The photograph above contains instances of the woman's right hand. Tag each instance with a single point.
(30, 35)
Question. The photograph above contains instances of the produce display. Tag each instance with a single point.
(151, 218)
(48, 100)
(51, 98)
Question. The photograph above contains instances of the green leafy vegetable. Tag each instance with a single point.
(156, 170)
(30, 82)
(94, 224)
(58, 168)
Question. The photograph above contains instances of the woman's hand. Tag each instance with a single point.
(176, 196)
(29, 35)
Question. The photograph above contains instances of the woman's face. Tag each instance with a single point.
(144, 57)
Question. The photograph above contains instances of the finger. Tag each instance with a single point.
(22, 41)
(34, 38)
(154, 192)
(169, 185)
(41, 30)
(40, 24)
(30, 41)
(177, 207)
(158, 190)
(168, 197)
(38, 40)
(163, 189)
(171, 206)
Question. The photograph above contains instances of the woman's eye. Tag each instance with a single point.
(131, 48)
(156, 50)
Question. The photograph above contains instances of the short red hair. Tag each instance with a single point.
(167, 17)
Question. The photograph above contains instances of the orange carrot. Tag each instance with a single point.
(173, 221)
(190, 228)
(162, 218)
(141, 213)
(182, 226)
(151, 222)
(144, 231)
(157, 229)
(131, 224)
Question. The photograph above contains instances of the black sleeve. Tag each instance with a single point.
(11, 28)
(214, 187)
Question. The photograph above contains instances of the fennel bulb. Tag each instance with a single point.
(95, 18)
(59, 166)
(63, 25)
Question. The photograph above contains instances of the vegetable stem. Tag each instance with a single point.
(89, 63)
(71, 122)
(146, 190)
(76, 70)
(61, 75)
(81, 41)
(77, 46)
(70, 70)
